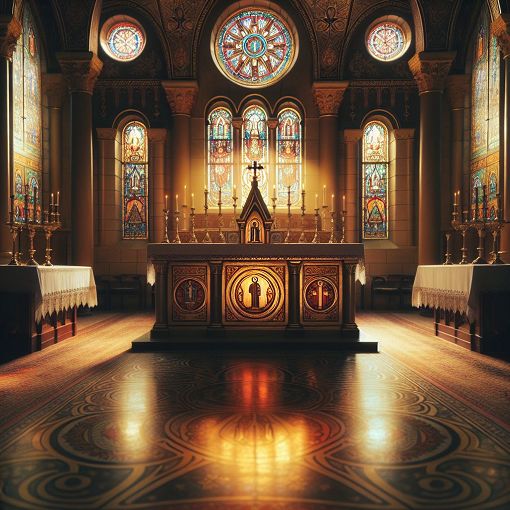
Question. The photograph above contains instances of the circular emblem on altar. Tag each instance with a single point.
(320, 295)
(189, 295)
(255, 294)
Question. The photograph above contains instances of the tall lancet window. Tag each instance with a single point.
(220, 156)
(375, 181)
(485, 136)
(254, 149)
(289, 156)
(134, 181)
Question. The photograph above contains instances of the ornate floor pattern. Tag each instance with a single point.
(239, 431)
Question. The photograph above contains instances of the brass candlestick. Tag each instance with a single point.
(332, 237)
(448, 255)
(48, 232)
(220, 219)
(193, 238)
(177, 237)
(15, 231)
(324, 216)
(273, 199)
(302, 237)
(207, 237)
(287, 237)
(480, 228)
(316, 237)
(31, 251)
(165, 227)
(234, 198)
(342, 240)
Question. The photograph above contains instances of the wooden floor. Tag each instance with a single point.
(423, 424)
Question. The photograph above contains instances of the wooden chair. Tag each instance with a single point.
(385, 286)
(129, 285)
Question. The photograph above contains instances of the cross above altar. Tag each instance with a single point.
(255, 166)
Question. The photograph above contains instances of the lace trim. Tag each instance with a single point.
(63, 300)
(453, 300)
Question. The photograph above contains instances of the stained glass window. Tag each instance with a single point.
(220, 156)
(123, 40)
(27, 115)
(485, 135)
(289, 156)
(375, 181)
(254, 48)
(386, 41)
(134, 181)
(254, 149)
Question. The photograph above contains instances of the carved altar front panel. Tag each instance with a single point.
(189, 291)
(255, 293)
(321, 293)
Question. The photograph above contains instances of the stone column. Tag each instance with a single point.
(157, 139)
(328, 97)
(181, 98)
(430, 70)
(501, 29)
(349, 326)
(10, 30)
(350, 185)
(457, 88)
(81, 70)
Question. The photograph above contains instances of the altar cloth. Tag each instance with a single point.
(457, 287)
(55, 288)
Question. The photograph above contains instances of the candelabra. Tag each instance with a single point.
(332, 237)
(462, 227)
(287, 237)
(207, 237)
(324, 216)
(165, 226)
(448, 255)
(234, 198)
(344, 212)
(177, 238)
(316, 237)
(193, 238)
(273, 199)
(15, 231)
(302, 237)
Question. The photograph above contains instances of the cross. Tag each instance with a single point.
(255, 167)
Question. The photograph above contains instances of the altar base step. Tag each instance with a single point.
(242, 339)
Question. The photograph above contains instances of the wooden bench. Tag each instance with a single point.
(399, 285)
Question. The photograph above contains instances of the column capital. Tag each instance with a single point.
(180, 95)
(430, 69)
(328, 96)
(272, 123)
(10, 30)
(80, 69)
(352, 135)
(500, 27)
(106, 133)
(457, 88)
(157, 134)
(237, 122)
(404, 133)
(54, 86)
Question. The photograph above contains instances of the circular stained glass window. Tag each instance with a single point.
(122, 38)
(254, 48)
(387, 39)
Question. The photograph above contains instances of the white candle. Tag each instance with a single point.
(185, 195)
(166, 202)
(193, 200)
(459, 202)
(58, 198)
(343, 203)
(274, 191)
(52, 203)
(324, 195)
(235, 191)
(176, 203)
(316, 201)
(332, 203)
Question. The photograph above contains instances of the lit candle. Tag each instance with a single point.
(176, 203)
(235, 191)
(205, 197)
(459, 203)
(332, 203)
(303, 197)
(274, 191)
(316, 201)
(343, 203)
(454, 199)
(166, 202)
(51, 201)
(324, 196)
(185, 195)
(193, 200)
(58, 199)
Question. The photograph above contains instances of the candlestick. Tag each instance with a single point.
(475, 217)
(342, 240)
(316, 236)
(448, 255)
(287, 237)
(332, 237)
(31, 251)
(220, 219)
(302, 237)
(234, 204)
(48, 231)
(207, 237)
(34, 212)
(11, 211)
(177, 238)
(193, 238)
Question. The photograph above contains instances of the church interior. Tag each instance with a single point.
(254, 255)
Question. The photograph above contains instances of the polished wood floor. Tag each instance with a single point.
(88, 424)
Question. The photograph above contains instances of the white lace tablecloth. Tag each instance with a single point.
(458, 287)
(55, 288)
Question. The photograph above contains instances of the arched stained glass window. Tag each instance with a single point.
(255, 149)
(220, 156)
(134, 181)
(485, 130)
(289, 156)
(375, 181)
(254, 48)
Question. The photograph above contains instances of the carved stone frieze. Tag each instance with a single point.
(80, 69)
(457, 88)
(328, 96)
(10, 30)
(430, 69)
(501, 29)
(180, 95)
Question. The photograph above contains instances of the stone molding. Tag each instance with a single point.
(328, 96)
(500, 27)
(80, 69)
(457, 88)
(430, 69)
(180, 95)
(10, 31)
(157, 135)
(54, 86)
(352, 135)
